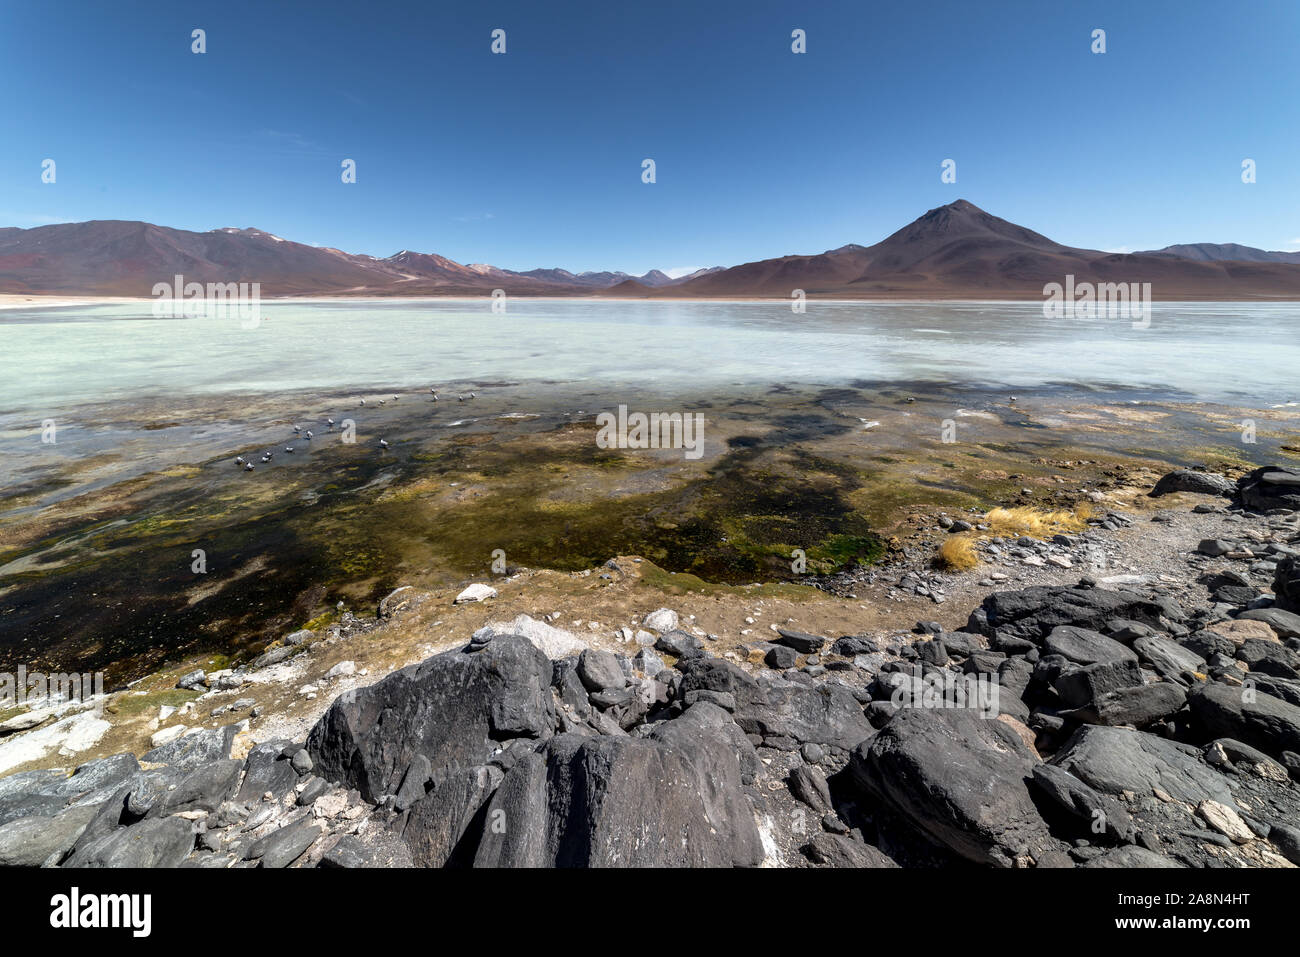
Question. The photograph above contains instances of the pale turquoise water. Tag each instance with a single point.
(56, 358)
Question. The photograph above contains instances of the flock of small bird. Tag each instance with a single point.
(307, 435)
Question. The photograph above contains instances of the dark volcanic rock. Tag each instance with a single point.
(436, 828)
(1138, 706)
(203, 789)
(371, 848)
(1113, 760)
(1247, 715)
(1270, 658)
(1080, 687)
(282, 847)
(780, 657)
(154, 842)
(957, 779)
(1031, 613)
(1185, 480)
(1085, 647)
(30, 841)
(267, 769)
(194, 750)
(672, 799)
(1094, 812)
(1169, 658)
(836, 850)
(1131, 856)
(1273, 486)
(801, 642)
(450, 708)
(1286, 584)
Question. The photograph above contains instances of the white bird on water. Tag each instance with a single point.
(330, 423)
(248, 466)
(383, 443)
(309, 435)
(288, 448)
(363, 401)
(239, 460)
(297, 429)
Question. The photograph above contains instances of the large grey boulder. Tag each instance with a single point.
(1031, 613)
(826, 714)
(836, 850)
(440, 828)
(1084, 646)
(1273, 486)
(1114, 760)
(1246, 714)
(1093, 811)
(672, 799)
(1168, 658)
(958, 780)
(1186, 480)
(452, 708)
(154, 842)
(195, 750)
(1137, 706)
(30, 841)
(1081, 687)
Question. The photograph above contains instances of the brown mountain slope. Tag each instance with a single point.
(957, 251)
(960, 251)
(123, 258)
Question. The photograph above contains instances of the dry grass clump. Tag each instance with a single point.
(1037, 522)
(957, 554)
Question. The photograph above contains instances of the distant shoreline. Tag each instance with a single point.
(24, 301)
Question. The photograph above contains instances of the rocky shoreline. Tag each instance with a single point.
(1116, 705)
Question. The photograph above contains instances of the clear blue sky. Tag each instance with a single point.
(534, 158)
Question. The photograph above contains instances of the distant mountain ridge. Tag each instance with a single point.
(1225, 252)
(955, 251)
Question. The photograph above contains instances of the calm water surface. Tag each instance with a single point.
(56, 358)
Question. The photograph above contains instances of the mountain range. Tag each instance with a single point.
(957, 251)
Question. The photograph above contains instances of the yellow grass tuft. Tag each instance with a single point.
(1037, 522)
(957, 554)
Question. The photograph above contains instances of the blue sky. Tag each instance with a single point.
(534, 158)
